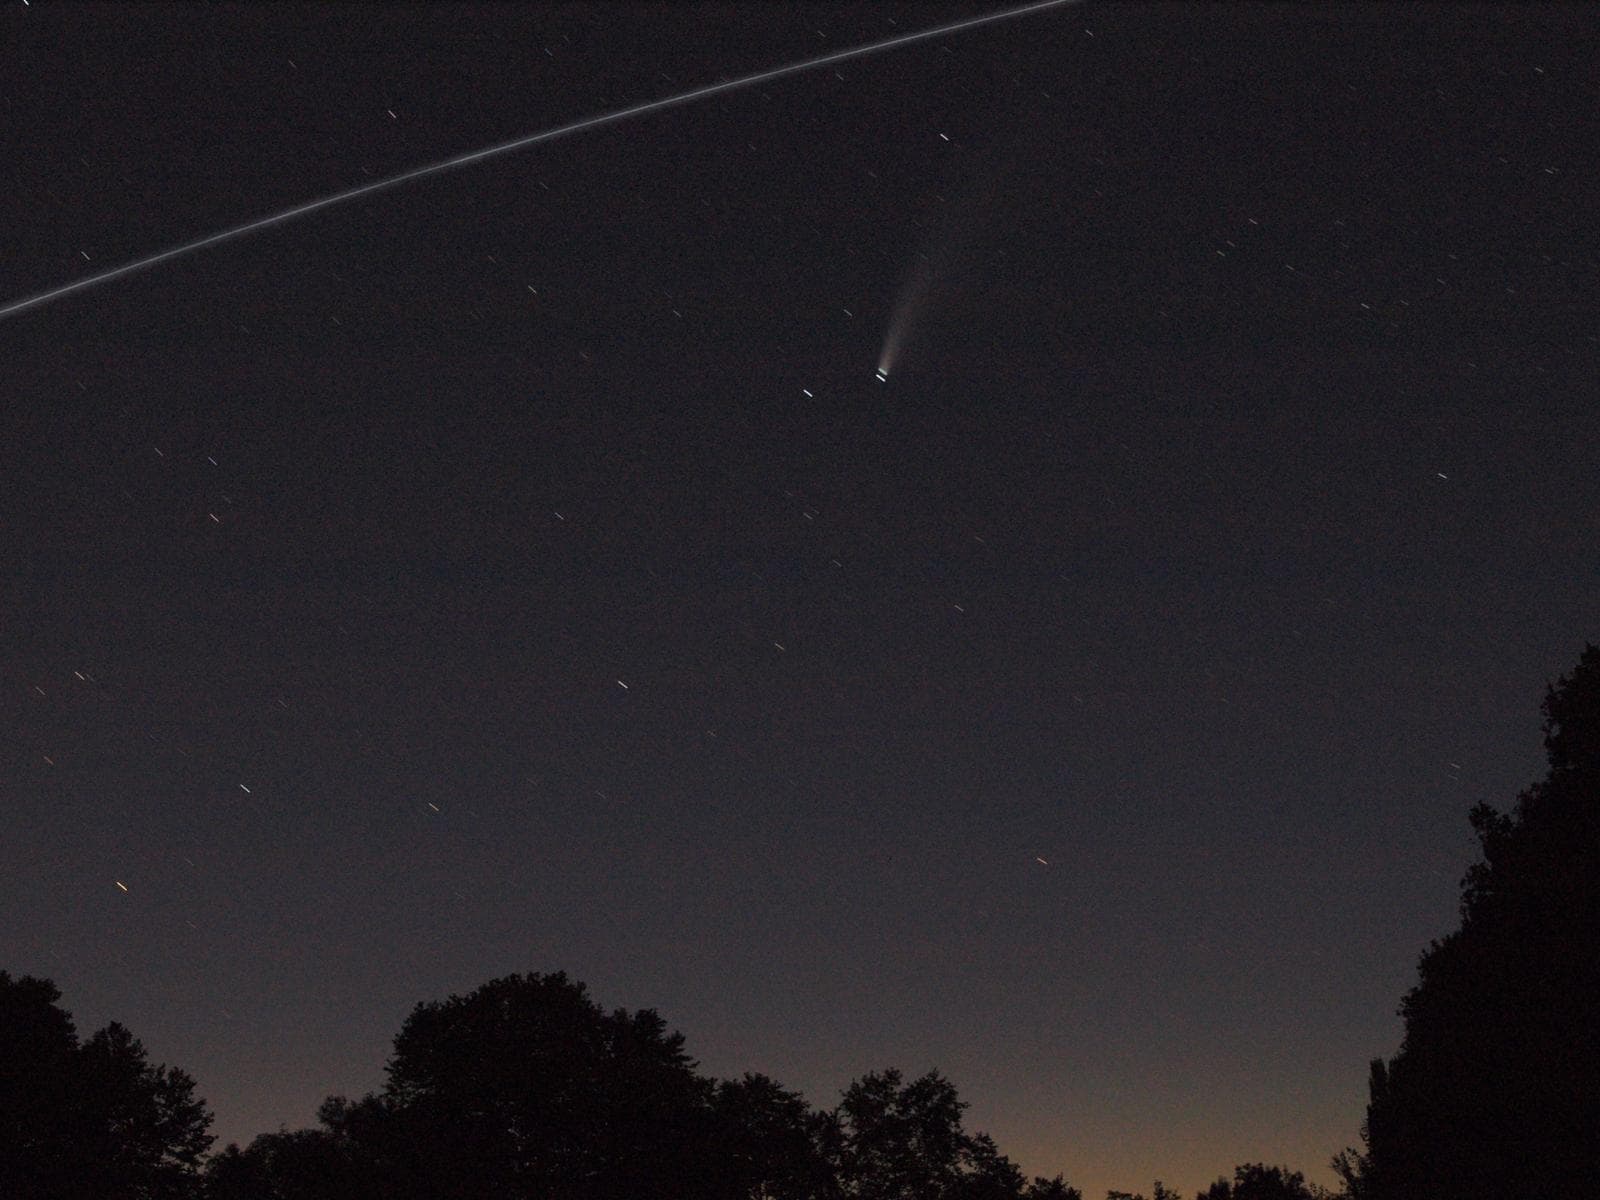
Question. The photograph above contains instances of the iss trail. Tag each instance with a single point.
(463, 160)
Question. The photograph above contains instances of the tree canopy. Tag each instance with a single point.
(1494, 1091)
(526, 1088)
(91, 1118)
(893, 1140)
(1257, 1181)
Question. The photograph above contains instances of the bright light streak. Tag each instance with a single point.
(463, 160)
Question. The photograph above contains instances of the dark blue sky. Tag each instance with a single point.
(1230, 506)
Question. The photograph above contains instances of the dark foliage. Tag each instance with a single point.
(1256, 1181)
(307, 1164)
(1051, 1189)
(38, 1065)
(1159, 1192)
(1496, 1086)
(889, 1140)
(769, 1142)
(527, 1088)
(93, 1119)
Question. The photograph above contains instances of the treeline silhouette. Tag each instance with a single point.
(527, 1088)
(1495, 1092)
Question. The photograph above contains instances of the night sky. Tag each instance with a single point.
(522, 569)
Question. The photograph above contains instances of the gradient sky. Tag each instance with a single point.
(1231, 503)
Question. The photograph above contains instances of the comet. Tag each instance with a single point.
(521, 143)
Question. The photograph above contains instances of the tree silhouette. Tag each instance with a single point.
(890, 1140)
(527, 1088)
(363, 1151)
(1255, 1181)
(769, 1144)
(306, 1164)
(1051, 1189)
(147, 1131)
(92, 1119)
(1159, 1192)
(38, 1059)
(1493, 1092)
